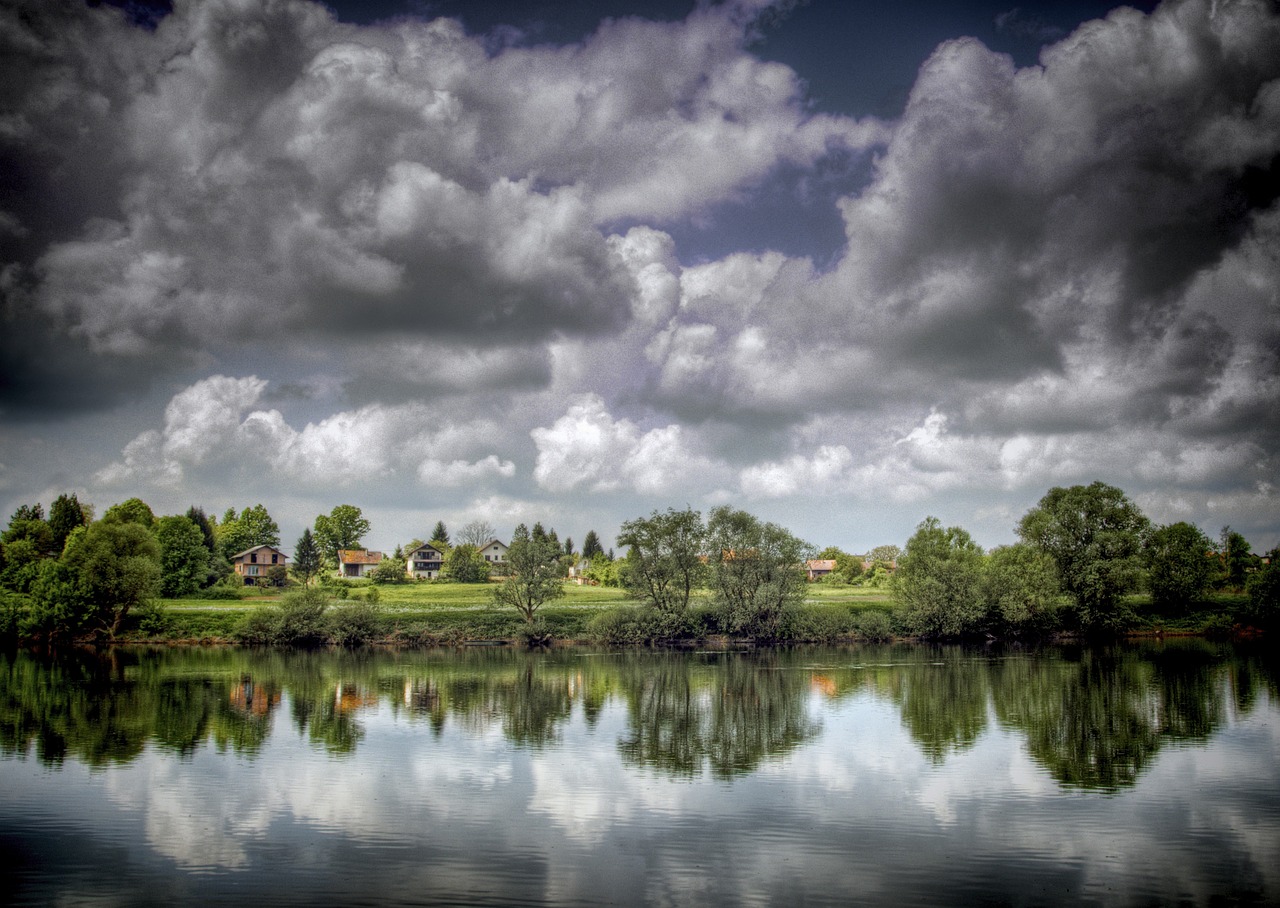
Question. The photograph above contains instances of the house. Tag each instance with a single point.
(424, 561)
(494, 552)
(578, 572)
(253, 564)
(357, 562)
(819, 567)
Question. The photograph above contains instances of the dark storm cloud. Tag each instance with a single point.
(239, 174)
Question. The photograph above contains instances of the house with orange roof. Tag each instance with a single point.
(357, 562)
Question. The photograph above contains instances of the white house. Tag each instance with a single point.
(424, 562)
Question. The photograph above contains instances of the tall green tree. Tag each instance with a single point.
(64, 516)
(757, 571)
(1237, 559)
(591, 545)
(252, 526)
(1021, 589)
(118, 565)
(1095, 535)
(27, 525)
(533, 575)
(1180, 564)
(665, 564)
(133, 510)
(306, 557)
(184, 560)
(939, 581)
(440, 536)
(341, 528)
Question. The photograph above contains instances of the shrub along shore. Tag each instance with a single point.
(431, 614)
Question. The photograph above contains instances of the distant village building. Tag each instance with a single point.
(253, 564)
(357, 562)
(424, 562)
(817, 568)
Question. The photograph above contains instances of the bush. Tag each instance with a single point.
(153, 620)
(874, 625)
(354, 624)
(299, 620)
(1264, 593)
(642, 624)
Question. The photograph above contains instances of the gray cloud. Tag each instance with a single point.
(464, 251)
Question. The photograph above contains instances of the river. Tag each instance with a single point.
(1135, 774)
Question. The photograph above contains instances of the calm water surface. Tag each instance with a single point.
(1143, 774)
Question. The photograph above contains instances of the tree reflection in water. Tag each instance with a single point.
(1092, 717)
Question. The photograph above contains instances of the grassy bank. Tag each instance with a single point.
(436, 613)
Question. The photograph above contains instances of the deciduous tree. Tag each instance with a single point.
(1094, 534)
(465, 564)
(64, 516)
(665, 564)
(476, 533)
(939, 581)
(1180, 564)
(756, 569)
(118, 565)
(341, 528)
(533, 575)
(184, 560)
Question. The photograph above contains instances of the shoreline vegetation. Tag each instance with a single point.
(1088, 564)
(431, 614)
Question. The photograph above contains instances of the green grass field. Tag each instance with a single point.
(454, 613)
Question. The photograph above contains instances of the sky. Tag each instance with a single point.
(844, 265)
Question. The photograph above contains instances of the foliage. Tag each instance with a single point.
(342, 528)
(464, 564)
(298, 620)
(533, 575)
(253, 526)
(1264, 592)
(58, 603)
(355, 623)
(887, 554)
(874, 625)
(756, 571)
(848, 567)
(65, 515)
(939, 581)
(134, 510)
(591, 545)
(440, 536)
(184, 560)
(21, 561)
(1179, 565)
(27, 512)
(32, 530)
(603, 571)
(1021, 589)
(1237, 559)
(664, 565)
(306, 557)
(390, 570)
(646, 625)
(118, 566)
(1095, 536)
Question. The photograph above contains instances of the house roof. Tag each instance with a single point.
(258, 548)
(414, 549)
(359, 556)
(491, 542)
(821, 564)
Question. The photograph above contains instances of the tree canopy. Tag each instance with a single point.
(939, 581)
(1180, 564)
(756, 570)
(1095, 536)
(252, 526)
(665, 564)
(533, 575)
(341, 528)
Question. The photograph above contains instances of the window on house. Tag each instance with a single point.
(253, 572)
(253, 559)
(273, 559)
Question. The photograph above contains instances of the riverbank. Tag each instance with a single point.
(458, 614)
